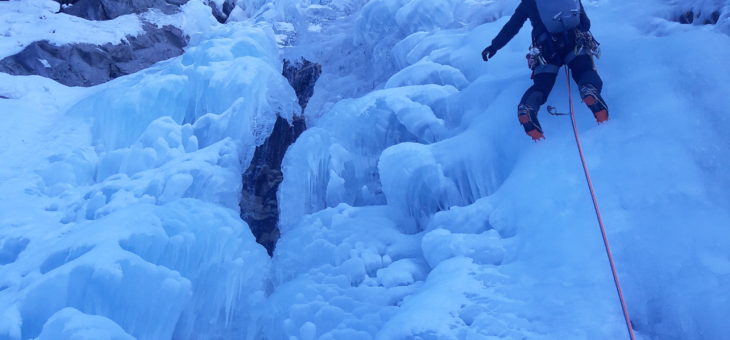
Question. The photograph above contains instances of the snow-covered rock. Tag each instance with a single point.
(110, 9)
(87, 64)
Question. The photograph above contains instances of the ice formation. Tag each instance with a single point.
(136, 189)
(413, 207)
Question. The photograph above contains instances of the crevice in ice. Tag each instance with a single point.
(699, 13)
(691, 17)
(259, 204)
(10, 249)
(62, 257)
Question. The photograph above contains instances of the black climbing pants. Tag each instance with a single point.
(544, 76)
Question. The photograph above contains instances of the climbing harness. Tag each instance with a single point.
(595, 206)
(544, 54)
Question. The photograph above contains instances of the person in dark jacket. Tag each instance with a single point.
(574, 47)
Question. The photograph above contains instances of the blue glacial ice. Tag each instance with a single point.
(413, 207)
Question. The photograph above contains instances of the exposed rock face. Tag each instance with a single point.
(259, 205)
(88, 65)
(302, 76)
(110, 9)
(221, 14)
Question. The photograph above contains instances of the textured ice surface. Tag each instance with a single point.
(503, 227)
(125, 222)
(413, 207)
(69, 323)
(334, 165)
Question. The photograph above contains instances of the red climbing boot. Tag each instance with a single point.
(594, 101)
(536, 135)
(528, 118)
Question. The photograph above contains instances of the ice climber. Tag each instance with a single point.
(560, 36)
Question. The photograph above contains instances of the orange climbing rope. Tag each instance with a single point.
(598, 211)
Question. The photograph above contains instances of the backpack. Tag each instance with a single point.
(559, 15)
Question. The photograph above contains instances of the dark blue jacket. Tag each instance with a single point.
(528, 10)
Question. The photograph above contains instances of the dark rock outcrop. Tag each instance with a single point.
(88, 65)
(302, 76)
(110, 9)
(259, 204)
(221, 14)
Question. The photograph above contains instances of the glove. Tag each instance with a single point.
(488, 53)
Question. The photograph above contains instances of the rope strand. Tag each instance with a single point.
(598, 211)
